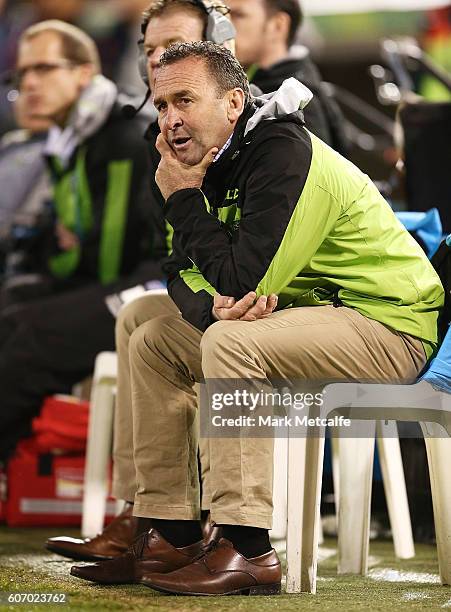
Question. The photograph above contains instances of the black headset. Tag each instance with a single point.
(219, 29)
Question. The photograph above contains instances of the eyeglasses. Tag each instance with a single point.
(41, 70)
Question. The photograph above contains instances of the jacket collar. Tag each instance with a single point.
(87, 117)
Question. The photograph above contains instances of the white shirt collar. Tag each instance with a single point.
(224, 148)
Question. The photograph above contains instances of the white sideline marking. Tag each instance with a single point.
(53, 565)
(392, 575)
(415, 596)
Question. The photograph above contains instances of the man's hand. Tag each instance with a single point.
(67, 240)
(247, 309)
(172, 175)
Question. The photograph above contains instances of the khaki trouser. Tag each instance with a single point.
(167, 356)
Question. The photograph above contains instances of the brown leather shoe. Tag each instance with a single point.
(111, 543)
(222, 571)
(148, 554)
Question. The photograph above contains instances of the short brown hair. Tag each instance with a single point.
(293, 9)
(158, 7)
(221, 63)
(77, 46)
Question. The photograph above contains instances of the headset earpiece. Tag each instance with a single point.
(219, 27)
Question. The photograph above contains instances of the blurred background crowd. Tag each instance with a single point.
(344, 39)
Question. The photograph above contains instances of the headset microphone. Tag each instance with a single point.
(129, 111)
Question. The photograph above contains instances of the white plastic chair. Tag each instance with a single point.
(101, 419)
(354, 483)
(98, 455)
(355, 492)
(364, 404)
(278, 533)
(98, 450)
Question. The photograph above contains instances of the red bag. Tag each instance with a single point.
(45, 475)
(46, 489)
(62, 425)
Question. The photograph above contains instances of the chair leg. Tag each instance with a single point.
(305, 470)
(335, 445)
(356, 477)
(395, 488)
(438, 449)
(98, 453)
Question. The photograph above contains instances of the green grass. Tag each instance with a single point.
(26, 567)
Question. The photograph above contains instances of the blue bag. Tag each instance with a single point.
(426, 227)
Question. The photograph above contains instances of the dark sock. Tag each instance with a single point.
(249, 541)
(204, 514)
(144, 524)
(178, 533)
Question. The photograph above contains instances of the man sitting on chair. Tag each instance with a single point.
(287, 264)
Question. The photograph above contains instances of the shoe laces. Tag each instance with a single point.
(138, 545)
(206, 549)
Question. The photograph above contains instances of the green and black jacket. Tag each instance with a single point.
(103, 197)
(281, 212)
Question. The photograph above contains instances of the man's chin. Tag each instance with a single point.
(40, 113)
(189, 159)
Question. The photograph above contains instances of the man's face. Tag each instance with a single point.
(29, 122)
(192, 116)
(50, 84)
(174, 25)
(250, 20)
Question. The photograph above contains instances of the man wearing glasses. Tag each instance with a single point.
(98, 229)
(50, 83)
(94, 157)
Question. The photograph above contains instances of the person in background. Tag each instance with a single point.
(101, 234)
(265, 35)
(112, 24)
(97, 160)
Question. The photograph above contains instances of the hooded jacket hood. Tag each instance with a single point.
(88, 116)
(291, 96)
(287, 102)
